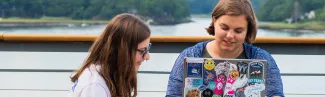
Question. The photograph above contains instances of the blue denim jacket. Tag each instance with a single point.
(274, 85)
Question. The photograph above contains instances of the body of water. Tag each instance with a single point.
(195, 28)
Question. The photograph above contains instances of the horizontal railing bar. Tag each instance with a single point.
(301, 94)
(302, 74)
(158, 47)
(31, 90)
(91, 38)
(35, 70)
(1, 36)
(53, 90)
(60, 70)
(138, 91)
(144, 72)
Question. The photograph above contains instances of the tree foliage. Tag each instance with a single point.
(95, 9)
(279, 10)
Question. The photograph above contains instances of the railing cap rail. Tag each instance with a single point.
(1, 36)
(90, 38)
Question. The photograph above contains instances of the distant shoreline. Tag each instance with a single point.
(21, 22)
(312, 25)
(45, 24)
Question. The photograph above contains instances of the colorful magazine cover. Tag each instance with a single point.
(208, 77)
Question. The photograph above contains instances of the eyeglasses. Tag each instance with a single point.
(144, 52)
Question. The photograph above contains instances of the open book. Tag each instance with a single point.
(208, 77)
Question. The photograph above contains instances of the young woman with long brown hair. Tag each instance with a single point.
(111, 68)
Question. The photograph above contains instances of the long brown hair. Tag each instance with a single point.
(236, 8)
(114, 51)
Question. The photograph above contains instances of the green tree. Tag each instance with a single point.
(321, 14)
(256, 5)
(201, 6)
(309, 5)
(160, 11)
(164, 11)
(279, 10)
(273, 10)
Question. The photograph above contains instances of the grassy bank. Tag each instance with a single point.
(200, 15)
(311, 25)
(49, 20)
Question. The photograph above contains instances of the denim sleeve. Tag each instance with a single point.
(175, 82)
(274, 86)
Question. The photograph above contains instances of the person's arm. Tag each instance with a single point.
(94, 90)
(175, 81)
(274, 86)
